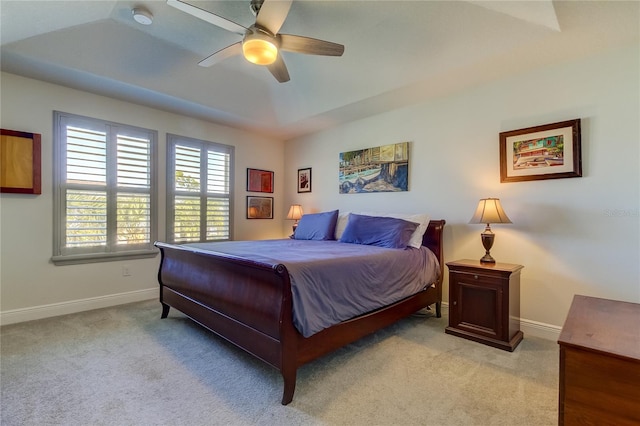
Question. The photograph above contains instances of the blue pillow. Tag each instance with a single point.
(317, 226)
(387, 232)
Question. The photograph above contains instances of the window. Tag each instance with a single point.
(199, 195)
(104, 190)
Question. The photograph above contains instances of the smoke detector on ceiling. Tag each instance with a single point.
(142, 16)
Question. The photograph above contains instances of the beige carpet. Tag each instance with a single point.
(126, 366)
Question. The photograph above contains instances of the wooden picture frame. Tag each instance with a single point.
(550, 151)
(259, 207)
(20, 162)
(259, 180)
(304, 180)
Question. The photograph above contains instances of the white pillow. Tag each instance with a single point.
(416, 238)
(341, 224)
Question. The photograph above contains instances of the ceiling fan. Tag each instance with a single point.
(261, 43)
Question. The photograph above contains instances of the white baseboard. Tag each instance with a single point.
(539, 329)
(528, 327)
(533, 328)
(55, 309)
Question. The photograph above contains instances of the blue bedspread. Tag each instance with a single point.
(332, 281)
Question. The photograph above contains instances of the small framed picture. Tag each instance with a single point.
(550, 151)
(304, 180)
(259, 180)
(259, 207)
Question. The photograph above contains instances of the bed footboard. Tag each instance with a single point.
(242, 301)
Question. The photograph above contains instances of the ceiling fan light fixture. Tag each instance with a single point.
(261, 41)
(259, 49)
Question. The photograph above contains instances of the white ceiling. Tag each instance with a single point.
(396, 53)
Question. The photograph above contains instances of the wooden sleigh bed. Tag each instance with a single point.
(249, 303)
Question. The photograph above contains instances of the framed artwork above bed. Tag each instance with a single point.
(378, 169)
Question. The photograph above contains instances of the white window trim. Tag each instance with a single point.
(65, 256)
(172, 141)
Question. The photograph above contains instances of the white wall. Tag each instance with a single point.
(30, 285)
(574, 236)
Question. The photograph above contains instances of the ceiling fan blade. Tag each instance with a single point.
(221, 55)
(279, 70)
(207, 16)
(310, 46)
(272, 14)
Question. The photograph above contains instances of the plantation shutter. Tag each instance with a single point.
(218, 189)
(187, 199)
(86, 188)
(133, 215)
(104, 189)
(199, 190)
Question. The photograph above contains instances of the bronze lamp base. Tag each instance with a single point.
(487, 242)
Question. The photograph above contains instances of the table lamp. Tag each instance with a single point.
(489, 211)
(295, 213)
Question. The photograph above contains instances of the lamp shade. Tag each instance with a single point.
(295, 212)
(490, 211)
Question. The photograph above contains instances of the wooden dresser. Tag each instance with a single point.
(600, 363)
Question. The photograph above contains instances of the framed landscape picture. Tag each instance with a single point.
(259, 207)
(259, 180)
(377, 169)
(551, 151)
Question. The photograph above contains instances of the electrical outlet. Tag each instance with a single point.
(126, 272)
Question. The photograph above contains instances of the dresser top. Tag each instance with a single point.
(603, 325)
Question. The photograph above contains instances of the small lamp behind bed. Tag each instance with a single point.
(295, 213)
(489, 211)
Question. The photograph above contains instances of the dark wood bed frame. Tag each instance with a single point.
(249, 304)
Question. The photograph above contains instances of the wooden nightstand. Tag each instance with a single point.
(484, 302)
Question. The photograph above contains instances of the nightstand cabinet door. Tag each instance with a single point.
(477, 304)
(484, 303)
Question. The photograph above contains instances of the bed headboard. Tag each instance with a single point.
(432, 238)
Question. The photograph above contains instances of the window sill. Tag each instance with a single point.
(76, 259)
